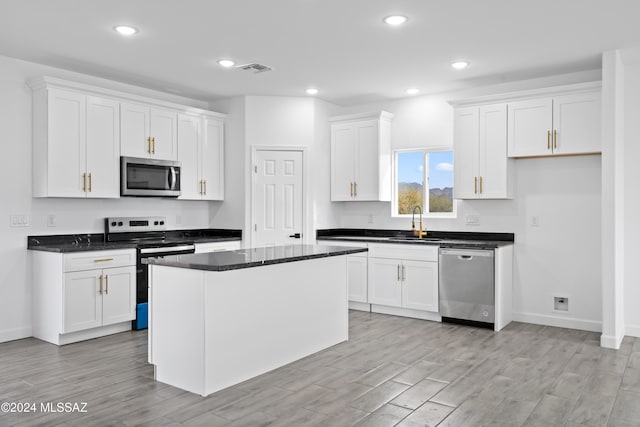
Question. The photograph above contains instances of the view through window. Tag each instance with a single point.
(413, 169)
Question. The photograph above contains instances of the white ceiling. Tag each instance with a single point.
(339, 46)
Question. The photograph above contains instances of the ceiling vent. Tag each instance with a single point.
(255, 67)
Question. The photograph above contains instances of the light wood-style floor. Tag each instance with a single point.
(392, 371)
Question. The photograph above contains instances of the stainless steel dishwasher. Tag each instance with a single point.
(466, 286)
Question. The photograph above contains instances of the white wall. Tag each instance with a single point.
(631, 294)
(73, 215)
(560, 257)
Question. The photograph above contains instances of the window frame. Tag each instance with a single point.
(425, 152)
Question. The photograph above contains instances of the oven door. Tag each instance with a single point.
(149, 177)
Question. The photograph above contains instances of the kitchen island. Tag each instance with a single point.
(218, 319)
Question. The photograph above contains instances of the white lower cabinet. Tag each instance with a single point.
(228, 245)
(357, 274)
(83, 295)
(403, 283)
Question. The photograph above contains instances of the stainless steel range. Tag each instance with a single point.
(149, 235)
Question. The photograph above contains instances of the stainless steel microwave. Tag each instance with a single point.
(149, 177)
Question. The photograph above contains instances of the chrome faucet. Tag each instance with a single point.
(420, 233)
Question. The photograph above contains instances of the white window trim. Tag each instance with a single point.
(394, 202)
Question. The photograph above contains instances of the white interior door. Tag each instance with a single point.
(277, 198)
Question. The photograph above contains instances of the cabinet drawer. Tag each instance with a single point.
(404, 251)
(217, 246)
(100, 259)
(343, 243)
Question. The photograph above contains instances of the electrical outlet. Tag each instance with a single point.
(472, 220)
(19, 221)
(370, 219)
(51, 220)
(535, 221)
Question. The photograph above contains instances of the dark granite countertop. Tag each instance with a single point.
(64, 243)
(444, 239)
(252, 257)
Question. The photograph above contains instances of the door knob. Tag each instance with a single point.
(296, 236)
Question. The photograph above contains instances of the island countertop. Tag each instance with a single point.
(251, 257)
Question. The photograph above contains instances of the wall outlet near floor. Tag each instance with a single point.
(52, 221)
(561, 304)
(472, 220)
(19, 221)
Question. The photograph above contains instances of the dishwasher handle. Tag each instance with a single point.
(467, 254)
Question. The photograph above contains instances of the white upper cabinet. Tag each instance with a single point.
(483, 169)
(76, 144)
(361, 157)
(201, 151)
(148, 132)
(559, 125)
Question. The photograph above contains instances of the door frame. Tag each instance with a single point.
(305, 198)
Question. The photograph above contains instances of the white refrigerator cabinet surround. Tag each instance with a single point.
(403, 280)
(560, 125)
(201, 151)
(75, 144)
(361, 157)
(82, 295)
(148, 132)
(483, 170)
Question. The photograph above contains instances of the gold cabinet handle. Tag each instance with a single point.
(100, 291)
(205, 187)
(555, 139)
(398, 272)
(480, 185)
(153, 145)
(106, 289)
(351, 189)
(103, 260)
(84, 182)
(548, 140)
(355, 189)
(149, 144)
(475, 185)
(200, 186)
(90, 182)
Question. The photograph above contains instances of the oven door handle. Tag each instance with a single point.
(167, 249)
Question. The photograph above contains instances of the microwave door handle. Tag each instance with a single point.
(172, 178)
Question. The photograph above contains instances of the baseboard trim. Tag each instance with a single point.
(360, 306)
(559, 322)
(406, 312)
(610, 341)
(632, 331)
(15, 334)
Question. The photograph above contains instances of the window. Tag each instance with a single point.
(415, 168)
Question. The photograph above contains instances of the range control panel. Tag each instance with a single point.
(129, 224)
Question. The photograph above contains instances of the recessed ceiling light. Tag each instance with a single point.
(311, 91)
(125, 30)
(395, 19)
(460, 65)
(413, 91)
(227, 63)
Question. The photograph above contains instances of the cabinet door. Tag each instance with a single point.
(67, 144)
(163, 131)
(82, 301)
(465, 152)
(420, 285)
(134, 130)
(103, 147)
(529, 128)
(366, 164)
(119, 295)
(212, 159)
(385, 286)
(576, 123)
(493, 162)
(343, 137)
(188, 153)
(357, 278)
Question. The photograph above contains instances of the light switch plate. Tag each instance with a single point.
(472, 220)
(16, 221)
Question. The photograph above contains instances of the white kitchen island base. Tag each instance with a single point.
(212, 329)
